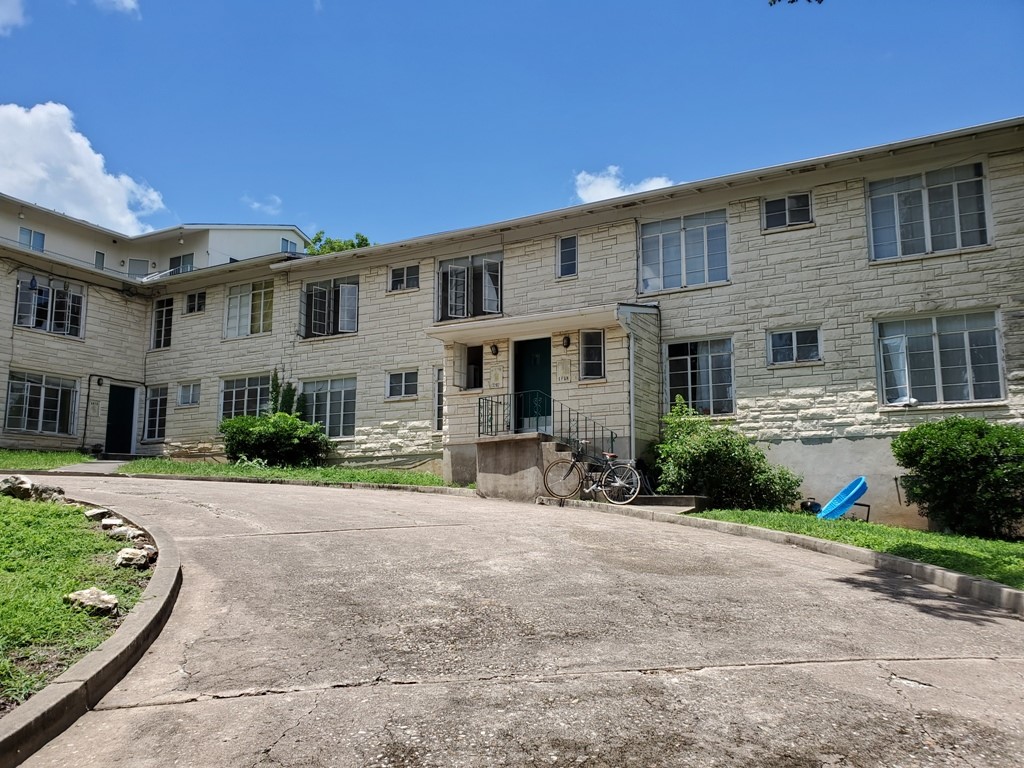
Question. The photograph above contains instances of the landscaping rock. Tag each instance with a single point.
(132, 558)
(93, 600)
(48, 493)
(151, 552)
(125, 532)
(111, 522)
(20, 487)
(97, 513)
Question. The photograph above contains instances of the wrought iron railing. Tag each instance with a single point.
(537, 412)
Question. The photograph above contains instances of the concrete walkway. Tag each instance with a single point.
(343, 627)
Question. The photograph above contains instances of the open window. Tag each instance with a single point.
(469, 286)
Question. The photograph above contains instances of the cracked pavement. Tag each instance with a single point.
(343, 627)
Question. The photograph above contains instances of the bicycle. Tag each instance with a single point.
(619, 481)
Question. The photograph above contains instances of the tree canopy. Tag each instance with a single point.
(320, 243)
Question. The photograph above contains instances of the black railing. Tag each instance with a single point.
(534, 411)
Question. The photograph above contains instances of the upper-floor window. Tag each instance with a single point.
(245, 396)
(163, 316)
(679, 253)
(403, 384)
(138, 267)
(404, 278)
(195, 302)
(250, 308)
(944, 359)
(799, 346)
(183, 263)
(469, 286)
(701, 372)
(787, 211)
(55, 307)
(927, 212)
(30, 238)
(101, 259)
(41, 403)
(330, 307)
(591, 354)
(567, 256)
(288, 246)
(188, 393)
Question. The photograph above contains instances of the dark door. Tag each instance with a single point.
(120, 420)
(532, 382)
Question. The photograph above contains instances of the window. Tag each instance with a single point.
(32, 239)
(156, 413)
(250, 308)
(188, 394)
(403, 384)
(288, 246)
(181, 264)
(246, 396)
(567, 256)
(57, 307)
(679, 253)
(469, 286)
(924, 213)
(701, 371)
(469, 367)
(138, 267)
(787, 211)
(332, 402)
(195, 302)
(947, 359)
(101, 259)
(794, 346)
(330, 307)
(41, 403)
(439, 400)
(591, 354)
(405, 278)
(163, 315)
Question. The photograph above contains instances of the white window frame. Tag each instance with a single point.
(254, 387)
(250, 309)
(329, 307)
(406, 278)
(288, 246)
(691, 236)
(894, 197)
(464, 376)
(31, 397)
(562, 269)
(32, 239)
(706, 350)
(138, 267)
(182, 264)
(163, 321)
(195, 303)
(58, 307)
(791, 338)
(100, 260)
(458, 294)
(592, 369)
(189, 393)
(402, 384)
(790, 213)
(156, 413)
(911, 363)
(332, 402)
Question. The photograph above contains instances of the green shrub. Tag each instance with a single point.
(966, 475)
(279, 439)
(695, 456)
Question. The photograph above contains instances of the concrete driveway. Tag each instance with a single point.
(332, 627)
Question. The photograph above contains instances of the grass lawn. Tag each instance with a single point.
(10, 459)
(1001, 561)
(46, 551)
(319, 475)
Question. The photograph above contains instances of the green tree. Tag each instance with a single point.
(321, 244)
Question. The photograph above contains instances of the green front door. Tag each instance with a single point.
(532, 385)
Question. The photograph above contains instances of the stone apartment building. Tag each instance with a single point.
(821, 306)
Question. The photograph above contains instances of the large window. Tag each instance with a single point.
(41, 403)
(935, 211)
(567, 256)
(330, 307)
(332, 402)
(156, 413)
(163, 316)
(250, 309)
(184, 263)
(680, 253)
(701, 371)
(469, 286)
(591, 354)
(246, 396)
(946, 359)
(53, 305)
(32, 239)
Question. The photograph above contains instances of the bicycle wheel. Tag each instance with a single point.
(563, 478)
(620, 483)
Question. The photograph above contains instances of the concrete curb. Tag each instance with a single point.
(55, 708)
(989, 592)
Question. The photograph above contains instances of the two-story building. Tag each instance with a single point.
(822, 307)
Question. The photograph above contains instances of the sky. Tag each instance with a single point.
(398, 119)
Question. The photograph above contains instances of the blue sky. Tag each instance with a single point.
(399, 118)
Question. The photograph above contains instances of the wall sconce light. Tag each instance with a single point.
(181, 241)
(566, 341)
(99, 382)
(153, 264)
(122, 262)
(494, 349)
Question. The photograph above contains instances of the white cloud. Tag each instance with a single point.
(591, 187)
(12, 14)
(45, 161)
(271, 206)
(124, 6)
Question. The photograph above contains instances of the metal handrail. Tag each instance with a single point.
(534, 411)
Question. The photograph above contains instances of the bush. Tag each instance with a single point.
(696, 456)
(966, 475)
(279, 439)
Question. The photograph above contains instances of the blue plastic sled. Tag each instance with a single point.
(843, 500)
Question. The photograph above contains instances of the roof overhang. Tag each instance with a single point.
(527, 326)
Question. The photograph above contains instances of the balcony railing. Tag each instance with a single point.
(533, 411)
